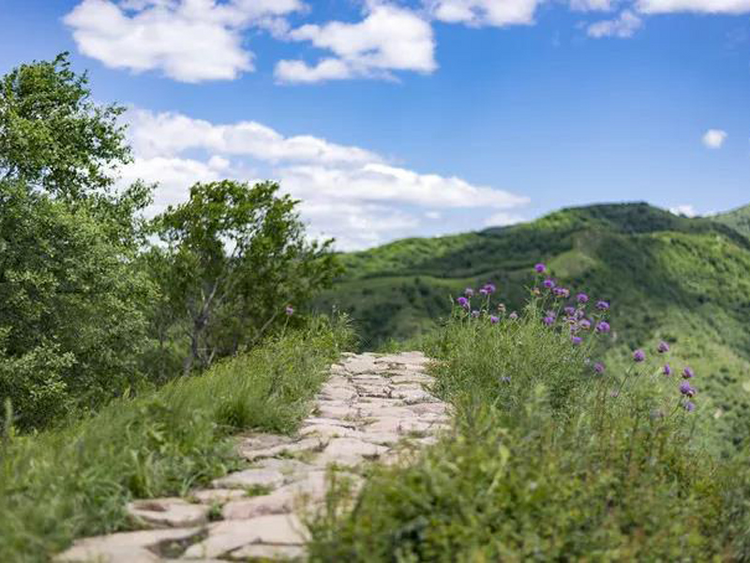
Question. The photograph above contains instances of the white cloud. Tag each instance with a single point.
(701, 6)
(497, 13)
(591, 5)
(188, 40)
(389, 39)
(502, 219)
(714, 138)
(347, 192)
(686, 210)
(624, 26)
(153, 134)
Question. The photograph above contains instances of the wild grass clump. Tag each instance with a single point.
(58, 485)
(552, 456)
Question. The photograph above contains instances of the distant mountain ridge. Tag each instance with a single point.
(668, 277)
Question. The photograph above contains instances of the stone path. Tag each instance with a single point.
(371, 408)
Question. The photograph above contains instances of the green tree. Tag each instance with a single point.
(237, 258)
(72, 319)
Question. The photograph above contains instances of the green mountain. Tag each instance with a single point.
(738, 219)
(683, 280)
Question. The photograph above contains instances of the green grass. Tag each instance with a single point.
(547, 465)
(58, 485)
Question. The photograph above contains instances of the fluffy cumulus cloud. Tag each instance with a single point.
(187, 40)
(389, 38)
(347, 192)
(700, 6)
(625, 25)
(714, 138)
(687, 210)
(484, 12)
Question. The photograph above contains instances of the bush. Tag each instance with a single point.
(551, 457)
(58, 485)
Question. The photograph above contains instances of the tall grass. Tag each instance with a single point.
(61, 484)
(548, 460)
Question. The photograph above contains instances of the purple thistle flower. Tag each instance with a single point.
(483, 291)
(688, 373)
(490, 288)
(687, 390)
(689, 406)
(289, 310)
(463, 302)
(494, 320)
(667, 369)
(599, 368)
(603, 327)
(602, 305)
(576, 340)
(639, 356)
(549, 283)
(505, 379)
(582, 298)
(663, 347)
(475, 314)
(585, 324)
(549, 321)
(540, 268)
(570, 311)
(561, 292)
(468, 292)
(513, 316)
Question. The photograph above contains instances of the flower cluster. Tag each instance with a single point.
(686, 390)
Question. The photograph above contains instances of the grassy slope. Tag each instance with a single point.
(669, 277)
(76, 481)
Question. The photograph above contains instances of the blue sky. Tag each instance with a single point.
(392, 119)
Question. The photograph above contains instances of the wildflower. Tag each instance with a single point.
(475, 314)
(570, 311)
(582, 298)
(505, 379)
(599, 368)
(490, 288)
(639, 355)
(663, 347)
(483, 291)
(463, 302)
(576, 340)
(549, 283)
(689, 406)
(494, 320)
(540, 268)
(585, 324)
(468, 292)
(513, 316)
(688, 373)
(561, 292)
(667, 369)
(602, 305)
(603, 327)
(549, 321)
(687, 390)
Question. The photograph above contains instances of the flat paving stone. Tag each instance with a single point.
(268, 551)
(250, 478)
(167, 513)
(223, 537)
(217, 496)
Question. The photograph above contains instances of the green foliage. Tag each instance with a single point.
(236, 256)
(53, 136)
(71, 321)
(738, 219)
(76, 481)
(547, 461)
